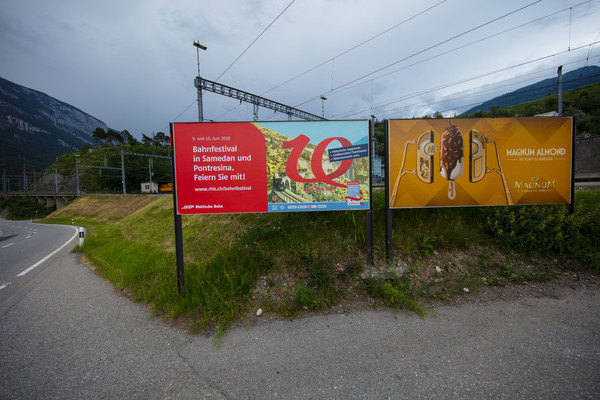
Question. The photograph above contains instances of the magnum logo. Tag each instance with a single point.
(536, 185)
(540, 152)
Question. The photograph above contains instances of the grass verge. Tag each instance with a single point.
(293, 263)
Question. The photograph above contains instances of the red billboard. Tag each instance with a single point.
(237, 167)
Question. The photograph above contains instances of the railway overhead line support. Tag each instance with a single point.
(258, 101)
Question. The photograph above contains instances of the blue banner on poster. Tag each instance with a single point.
(348, 153)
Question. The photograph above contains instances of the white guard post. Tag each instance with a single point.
(81, 236)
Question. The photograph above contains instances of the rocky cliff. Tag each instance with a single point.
(36, 128)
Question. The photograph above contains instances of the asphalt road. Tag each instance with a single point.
(69, 335)
(23, 248)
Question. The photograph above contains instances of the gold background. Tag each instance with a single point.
(509, 133)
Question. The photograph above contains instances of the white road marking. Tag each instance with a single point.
(50, 255)
(5, 285)
(10, 244)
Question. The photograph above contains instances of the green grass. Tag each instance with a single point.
(292, 263)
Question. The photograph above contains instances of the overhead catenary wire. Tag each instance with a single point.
(341, 54)
(254, 41)
(445, 86)
(455, 49)
(346, 85)
(355, 47)
(463, 106)
(241, 54)
(374, 106)
(487, 88)
(421, 51)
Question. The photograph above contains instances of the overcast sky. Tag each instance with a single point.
(132, 63)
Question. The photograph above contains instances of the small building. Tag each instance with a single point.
(157, 187)
(149, 187)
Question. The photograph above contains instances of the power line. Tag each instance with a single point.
(445, 86)
(454, 49)
(346, 85)
(254, 41)
(342, 53)
(180, 114)
(494, 86)
(423, 51)
(441, 54)
(355, 47)
(453, 98)
(465, 80)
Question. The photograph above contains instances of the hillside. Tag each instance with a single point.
(571, 80)
(582, 103)
(36, 128)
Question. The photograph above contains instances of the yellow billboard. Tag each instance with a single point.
(479, 161)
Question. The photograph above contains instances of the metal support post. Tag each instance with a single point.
(77, 173)
(560, 91)
(200, 112)
(370, 211)
(388, 210)
(123, 172)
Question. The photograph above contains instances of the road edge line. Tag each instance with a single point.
(51, 254)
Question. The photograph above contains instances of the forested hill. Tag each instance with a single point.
(571, 80)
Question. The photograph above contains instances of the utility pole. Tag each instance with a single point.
(24, 180)
(123, 171)
(560, 91)
(77, 172)
(199, 46)
(150, 172)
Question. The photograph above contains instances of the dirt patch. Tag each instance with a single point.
(443, 278)
(104, 208)
(564, 282)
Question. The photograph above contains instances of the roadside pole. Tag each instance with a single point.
(123, 171)
(370, 212)
(388, 211)
(178, 225)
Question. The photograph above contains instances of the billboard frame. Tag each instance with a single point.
(178, 216)
(389, 208)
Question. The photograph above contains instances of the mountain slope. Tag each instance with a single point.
(36, 128)
(571, 80)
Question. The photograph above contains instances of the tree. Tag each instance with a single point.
(114, 137)
(160, 139)
(146, 139)
(99, 135)
(128, 137)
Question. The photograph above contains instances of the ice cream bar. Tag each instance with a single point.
(451, 157)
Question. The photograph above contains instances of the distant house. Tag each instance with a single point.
(157, 187)
(149, 187)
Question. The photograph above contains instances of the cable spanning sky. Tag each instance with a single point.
(132, 63)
